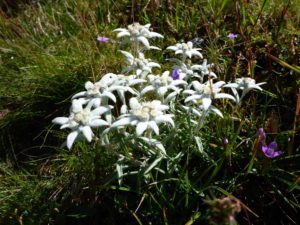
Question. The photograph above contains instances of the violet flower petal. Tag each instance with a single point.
(273, 145)
(232, 36)
(271, 151)
(175, 74)
(102, 39)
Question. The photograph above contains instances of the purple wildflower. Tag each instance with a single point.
(271, 150)
(232, 36)
(175, 74)
(102, 39)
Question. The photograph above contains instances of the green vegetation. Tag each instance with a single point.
(48, 50)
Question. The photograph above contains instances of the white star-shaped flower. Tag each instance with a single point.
(145, 116)
(103, 89)
(205, 69)
(138, 33)
(245, 84)
(141, 65)
(161, 84)
(185, 49)
(204, 93)
(81, 120)
(127, 82)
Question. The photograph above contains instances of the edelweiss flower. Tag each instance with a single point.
(205, 69)
(245, 84)
(142, 65)
(102, 89)
(138, 34)
(161, 85)
(145, 116)
(126, 82)
(187, 70)
(205, 93)
(81, 120)
(183, 69)
(186, 49)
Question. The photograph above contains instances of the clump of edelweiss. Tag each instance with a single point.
(150, 95)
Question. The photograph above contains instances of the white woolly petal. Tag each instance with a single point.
(123, 33)
(224, 95)
(196, 112)
(80, 94)
(154, 48)
(71, 138)
(147, 89)
(60, 120)
(115, 87)
(64, 126)
(195, 52)
(123, 109)
(136, 81)
(109, 95)
(164, 119)
(87, 133)
(154, 34)
(128, 56)
(215, 110)
(89, 85)
(99, 111)
(173, 48)
(147, 26)
(231, 85)
(141, 127)
(134, 104)
(98, 123)
(258, 84)
(255, 86)
(153, 64)
(190, 92)
(170, 97)
(178, 52)
(122, 122)
(219, 84)
(162, 91)
(212, 74)
(144, 41)
(193, 97)
(189, 54)
(154, 127)
(196, 67)
(179, 82)
(120, 30)
(138, 72)
(206, 102)
(76, 105)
